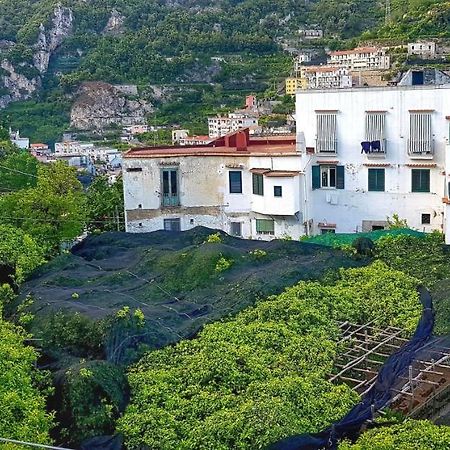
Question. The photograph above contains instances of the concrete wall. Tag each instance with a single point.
(348, 208)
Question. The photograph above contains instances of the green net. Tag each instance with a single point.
(338, 239)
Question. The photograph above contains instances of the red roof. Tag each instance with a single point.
(238, 143)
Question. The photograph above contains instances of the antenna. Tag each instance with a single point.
(387, 15)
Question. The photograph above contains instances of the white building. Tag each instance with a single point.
(369, 153)
(221, 125)
(325, 77)
(300, 60)
(311, 34)
(16, 139)
(67, 148)
(245, 186)
(426, 50)
(361, 58)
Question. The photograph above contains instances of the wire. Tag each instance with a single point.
(18, 171)
(31, 444)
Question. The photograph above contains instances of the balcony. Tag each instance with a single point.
(326, 146)
(421, 149)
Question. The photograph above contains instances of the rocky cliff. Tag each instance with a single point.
(100, 105)
(50, 39)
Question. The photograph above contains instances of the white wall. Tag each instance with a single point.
(354, 204)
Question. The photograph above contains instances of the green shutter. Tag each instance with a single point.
(265, 226)
(420, 180)
(316, 177)
(376, 180)
(340, 184)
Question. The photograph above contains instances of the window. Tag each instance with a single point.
(426, 219)
(236, 229)
(258, 184)
(327, 230)
(374, 131)
(326, 141)
(420, 180)
(327, 176)
(265, 226)
(420, 133)
(172, 224)
(170, 187)
(235, 177)
(277, 191)
(376, 180)
(134, 169)
(378, 227)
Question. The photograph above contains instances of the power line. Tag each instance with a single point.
(31, 444)
(18, 171)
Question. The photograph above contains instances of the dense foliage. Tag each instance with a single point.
(261, 376)
(22, 406)
(409, 435)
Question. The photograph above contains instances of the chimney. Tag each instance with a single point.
(242, 140)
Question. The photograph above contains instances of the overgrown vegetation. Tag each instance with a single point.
(262, 375)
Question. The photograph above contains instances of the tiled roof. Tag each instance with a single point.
(238, 143)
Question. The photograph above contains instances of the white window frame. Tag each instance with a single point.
(375, 128)
(325, 170)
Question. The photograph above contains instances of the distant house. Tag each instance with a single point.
(361, 58)
(325, 77)
(221, 125)
(16, 139)
(245, 186)
(424, 76)
(311, 34)
(425, 50)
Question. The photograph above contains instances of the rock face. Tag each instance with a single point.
(115, 24)
(49, 40)
(16, 84)
(100, 105)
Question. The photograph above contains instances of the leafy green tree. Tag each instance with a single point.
(105, 205)
(409, 435)
(19, 251)
(22, 406)
(18, 170)
(52, 212)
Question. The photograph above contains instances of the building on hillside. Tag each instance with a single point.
(221, 125)
(195, 140)
(40, 151)
(16, 139)
(294, 83)
(361, 58)
(67, 148)
(325, 77)
(370, 153)
(246, 186)
(424, 76)
(301, 59)
(311, 34)
(425, 50)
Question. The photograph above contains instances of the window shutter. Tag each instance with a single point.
(315, 177)
(372, 180)
(340, 171)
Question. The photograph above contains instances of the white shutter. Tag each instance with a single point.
(420, 133)
(375, 128)
(326, 133)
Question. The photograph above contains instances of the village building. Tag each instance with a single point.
(311, 34)
(221, 125)
(246, 186)
(361, 58)
(425, 50)
(16, 139)
(369, 153)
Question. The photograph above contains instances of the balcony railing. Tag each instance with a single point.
(374, 149)
(326, 146)
(170, 200)
(421, 148)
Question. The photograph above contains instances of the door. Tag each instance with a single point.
(170, 193)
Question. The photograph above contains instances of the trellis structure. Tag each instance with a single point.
(424, 388)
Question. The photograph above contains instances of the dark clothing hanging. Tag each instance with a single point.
(376, 146)
(365, 147)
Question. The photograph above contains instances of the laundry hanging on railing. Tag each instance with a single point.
(371, 147)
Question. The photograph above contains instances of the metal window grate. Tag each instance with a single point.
(420, 133)
(375, 128)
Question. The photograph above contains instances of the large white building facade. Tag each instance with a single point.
(370, 153)
(361, 155)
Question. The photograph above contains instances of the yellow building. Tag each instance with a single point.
(294, 83)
